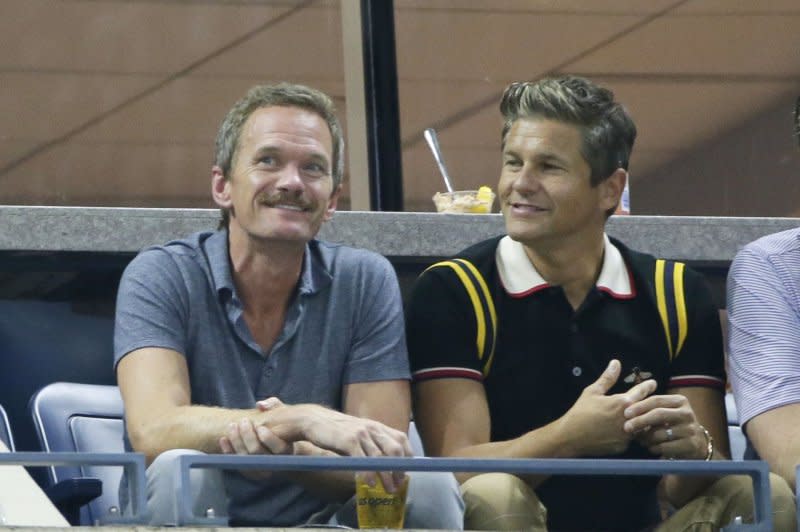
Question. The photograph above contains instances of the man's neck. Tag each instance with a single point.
(265, 273)
(575, 266)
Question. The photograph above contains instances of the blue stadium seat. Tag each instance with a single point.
(87, 418)
(5, 430)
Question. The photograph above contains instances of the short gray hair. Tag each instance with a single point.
(607, 131)
(284, 95)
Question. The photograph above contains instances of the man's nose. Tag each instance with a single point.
(290, 179)
(527, 180)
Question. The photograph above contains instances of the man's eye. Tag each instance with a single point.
(513, 163)
(316, 168)
(267, 159)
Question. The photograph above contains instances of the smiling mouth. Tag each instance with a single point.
(527, 206)
(296, 208)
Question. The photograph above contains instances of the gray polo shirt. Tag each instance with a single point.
(344, 325)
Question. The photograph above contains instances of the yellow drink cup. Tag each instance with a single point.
(378, 508)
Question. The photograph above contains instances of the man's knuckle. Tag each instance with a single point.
(394, 448)
(361, 433)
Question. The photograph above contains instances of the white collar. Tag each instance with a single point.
(520, 278)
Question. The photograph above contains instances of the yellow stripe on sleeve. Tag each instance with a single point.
(680, 306)
(474, 298)
(492, 313)
(662, 303)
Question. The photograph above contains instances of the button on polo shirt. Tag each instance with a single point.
(564, 347)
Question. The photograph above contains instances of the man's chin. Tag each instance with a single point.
(522, 232)
(298, 235)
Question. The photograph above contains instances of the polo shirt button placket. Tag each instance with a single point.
(577, 371)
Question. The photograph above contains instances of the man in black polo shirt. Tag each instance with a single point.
(557, 341)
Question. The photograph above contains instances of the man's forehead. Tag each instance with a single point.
(543, 131)
(289, 124)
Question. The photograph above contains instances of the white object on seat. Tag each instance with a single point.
(737, 438)
(22, 502)
(415, 440)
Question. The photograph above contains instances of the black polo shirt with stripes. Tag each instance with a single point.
(494, 319)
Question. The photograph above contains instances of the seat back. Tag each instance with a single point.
(737, 438)
(72, 417)
(5, 430)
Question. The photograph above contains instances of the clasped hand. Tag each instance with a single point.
(667, 426)
(599, 424)
(312, 430)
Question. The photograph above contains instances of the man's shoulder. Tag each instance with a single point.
(473, 268)
(653, 276)
(480, 255)
(643, 265)
(476, 259)
(482, 251)
(188, 246)
(173, 254)
(342, 260)
(774, 256)
(337, 252)
(775, 244)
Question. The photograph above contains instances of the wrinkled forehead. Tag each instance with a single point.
(287, 126)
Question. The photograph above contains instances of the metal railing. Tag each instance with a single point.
(757, 470)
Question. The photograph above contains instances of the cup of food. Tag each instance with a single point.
(465, 201)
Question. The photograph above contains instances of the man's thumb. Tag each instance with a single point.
(608, 378)
(270, 403)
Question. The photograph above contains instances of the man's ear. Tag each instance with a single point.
(333, 202)
(611, 189)
(220, 188)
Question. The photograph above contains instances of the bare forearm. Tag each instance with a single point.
(200, 427)
(184, 427)
(545, 442)
(776, 437)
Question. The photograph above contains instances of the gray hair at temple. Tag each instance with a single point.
(607, 131)
(284, 95)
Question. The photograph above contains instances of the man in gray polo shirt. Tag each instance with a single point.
(257, 338)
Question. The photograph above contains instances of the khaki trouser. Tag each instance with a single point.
(500, 501)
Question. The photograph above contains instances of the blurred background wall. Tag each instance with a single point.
(116, 102)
